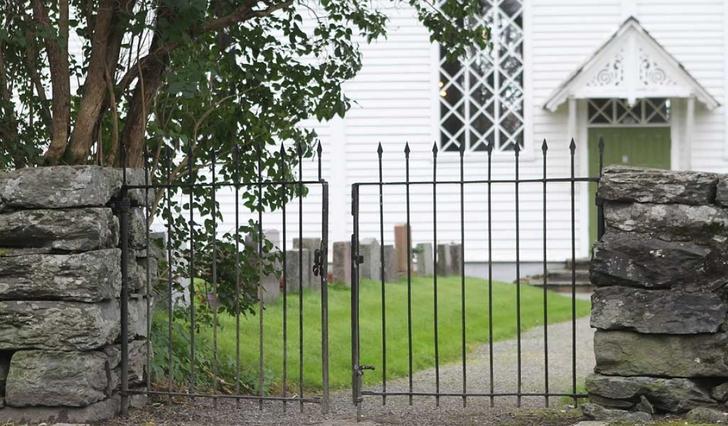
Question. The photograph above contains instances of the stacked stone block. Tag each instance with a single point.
(661, 275)
(60, 283)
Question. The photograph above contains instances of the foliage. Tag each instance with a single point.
(191, 75)
(184, 86)
(504, 327)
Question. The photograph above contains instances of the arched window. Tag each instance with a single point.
(481, 95)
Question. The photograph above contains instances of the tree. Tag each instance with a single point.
(184, 73)
(168, 84)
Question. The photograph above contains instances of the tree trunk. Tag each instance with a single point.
(94, 88)
(134, 135)
(60, 77)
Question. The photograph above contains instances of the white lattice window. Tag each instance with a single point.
(618, 112)
(481, 95)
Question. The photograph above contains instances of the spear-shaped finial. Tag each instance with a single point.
(406, 149)
(601, 144)
(379, 149)
(489, 147)
(319, 149)
(544, 146)
(461, 149)
(434, 149)
(517, 149)
(572, 146)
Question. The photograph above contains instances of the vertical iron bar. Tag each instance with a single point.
(354, 294)
(324, 296)
(544, 149)
(190, 172)
(215, 362)
(518, 275)
(600, 204)
(300, 276)
(355, 262)
(490, 277)
(572, 149)
(462, 273)
(124, 304)
(434, 276)
(285, 277)
(147, 289)
(124, 230)
(319, 150)
(381, 276)
(236, 178)
(170, 303)
(261, 304)
(409, 271)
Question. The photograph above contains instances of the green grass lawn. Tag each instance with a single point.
(449, 314)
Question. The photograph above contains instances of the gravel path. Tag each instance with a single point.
(423, 411)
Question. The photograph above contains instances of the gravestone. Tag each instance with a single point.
(400, 247)
(456, 257)
(295, 275)
(391, 273)
(310, 244)
(423, 256)
(270, 284)
(342, 263)
(370, 251)
(444, 260)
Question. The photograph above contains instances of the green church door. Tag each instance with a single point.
(629, 146)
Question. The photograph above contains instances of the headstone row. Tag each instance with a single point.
(393, 265)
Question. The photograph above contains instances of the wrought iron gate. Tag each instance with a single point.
(184, 271)
(485, 188)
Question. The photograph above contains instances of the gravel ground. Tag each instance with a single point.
(424, 411)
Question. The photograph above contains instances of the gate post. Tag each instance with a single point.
(324, 271)
(124, 204)
(355, 373)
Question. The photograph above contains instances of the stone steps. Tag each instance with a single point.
(561, 279)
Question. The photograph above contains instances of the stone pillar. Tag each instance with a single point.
(423, 256)
(659, 304)
(342, 263)
(60, 283)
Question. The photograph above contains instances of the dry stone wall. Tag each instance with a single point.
(60, 283)
(661, 299)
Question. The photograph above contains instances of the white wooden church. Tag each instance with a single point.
(649, 76)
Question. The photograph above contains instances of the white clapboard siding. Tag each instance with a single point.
(396, 101)
(695, 33)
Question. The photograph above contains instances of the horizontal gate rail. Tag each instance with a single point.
(376, 187)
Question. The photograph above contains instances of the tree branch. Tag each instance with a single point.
(109, 29)
(57, 50)
(9, 125)
(240, 14)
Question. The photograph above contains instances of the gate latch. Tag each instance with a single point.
(317, 262)
(361, 368)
